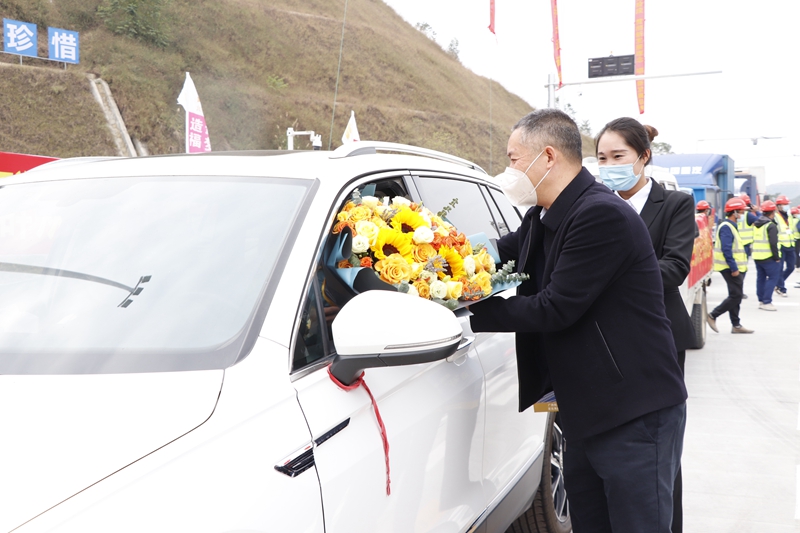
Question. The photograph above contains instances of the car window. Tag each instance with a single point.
(137, 274)
(471, 213)
(511, 216)
(327, 291)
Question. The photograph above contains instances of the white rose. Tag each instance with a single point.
(412, 290)
(370, 201)
(423, 234)
(469, 266)
(367, 229)
(360, 244)
(439, 289)
(400, 200)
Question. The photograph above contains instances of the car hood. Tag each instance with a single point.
(62, 434)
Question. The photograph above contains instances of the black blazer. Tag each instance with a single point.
(669, 216)
(591, 320)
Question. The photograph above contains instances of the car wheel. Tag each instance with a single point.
(699, 322)
(549, 512)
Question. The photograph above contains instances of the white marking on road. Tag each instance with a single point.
(785, 304)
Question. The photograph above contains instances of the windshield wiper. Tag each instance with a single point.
(46, 271)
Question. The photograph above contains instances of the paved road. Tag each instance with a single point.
(741, 460)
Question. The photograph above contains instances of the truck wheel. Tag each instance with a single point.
(699, 322)
(549, 512)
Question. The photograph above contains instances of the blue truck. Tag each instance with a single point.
(711, 177)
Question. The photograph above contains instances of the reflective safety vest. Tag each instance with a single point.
(785, 238)
(739, 255)
(761, 249)
(793, 224)
(745, 230)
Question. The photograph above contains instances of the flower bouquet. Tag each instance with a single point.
(416, 251)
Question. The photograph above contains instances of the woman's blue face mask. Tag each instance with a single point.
(620, 177)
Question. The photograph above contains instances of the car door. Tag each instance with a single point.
(433, 414)
(513, 439)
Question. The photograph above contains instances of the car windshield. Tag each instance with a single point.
(138, 274)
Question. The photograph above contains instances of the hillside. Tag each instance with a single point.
(261, 67)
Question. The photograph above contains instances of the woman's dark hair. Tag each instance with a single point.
(636, 136)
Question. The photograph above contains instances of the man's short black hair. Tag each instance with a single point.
(551, 127)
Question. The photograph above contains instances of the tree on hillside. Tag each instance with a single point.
(140, 19)
(452, 50)
(427, 29)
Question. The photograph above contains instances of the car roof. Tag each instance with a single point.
(335, 167)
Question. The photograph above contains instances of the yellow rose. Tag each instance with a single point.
(367, 229)
(378, 221)
(423, 289)
(484, 280)
(465, 249)
(454, 289)
(484, 262)
(360, 212)
(344, 215)
(423, 252)
(416, 270)
(394, 269)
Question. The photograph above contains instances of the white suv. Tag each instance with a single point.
(164, 357)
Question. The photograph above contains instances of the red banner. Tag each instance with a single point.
(11, 163)
(556, 40)
(639, 54)
(491, 16)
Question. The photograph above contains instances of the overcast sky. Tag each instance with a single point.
(754, 44)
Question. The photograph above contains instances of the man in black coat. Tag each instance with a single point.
(591, 324)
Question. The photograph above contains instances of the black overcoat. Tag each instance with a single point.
(591, 321)
(669, 216)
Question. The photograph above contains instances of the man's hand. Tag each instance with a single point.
(735, 273)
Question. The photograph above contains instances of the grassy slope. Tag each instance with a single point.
(262, 66)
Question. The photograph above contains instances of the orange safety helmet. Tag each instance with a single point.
(745, 197)
(781, 200)
(768, 206)
(796, 210)
(735, 204)
(702, 205)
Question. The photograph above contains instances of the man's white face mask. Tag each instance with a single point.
(517, 187)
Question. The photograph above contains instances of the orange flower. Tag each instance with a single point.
(366, 262)
(339, 226)
(422, 252)
(394, 269)
(344, 263)
(423, 289)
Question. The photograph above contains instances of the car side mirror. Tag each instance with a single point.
(381, 328)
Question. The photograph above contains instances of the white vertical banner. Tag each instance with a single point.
(351, 131)
(197, 139)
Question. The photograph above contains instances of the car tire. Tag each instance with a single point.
(549, 512)
(699, 322)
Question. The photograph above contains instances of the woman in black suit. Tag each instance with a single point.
(623, 150)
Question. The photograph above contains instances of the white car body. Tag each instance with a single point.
(197, 450)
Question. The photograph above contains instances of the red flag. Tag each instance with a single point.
(639, 55)
(491, 16)
(556, 40)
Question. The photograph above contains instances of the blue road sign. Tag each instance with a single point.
(64, 45)
(19, 37)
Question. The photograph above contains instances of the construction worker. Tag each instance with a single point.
(730, 260)
(796, 215)
(746, 225)
(767, 255)
(703, 208)
(786, 227)
(745, 229)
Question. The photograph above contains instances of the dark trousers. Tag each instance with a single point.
(677, 490)
(788, 258)
(730, 304)
(621, 481)
(768, 271)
